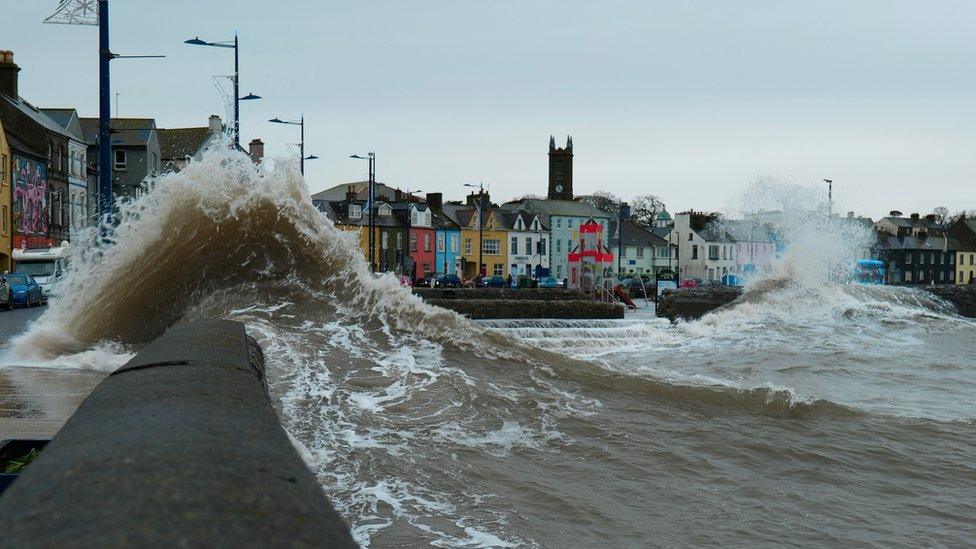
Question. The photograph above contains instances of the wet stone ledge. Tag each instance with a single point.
(694, 303)
(508, 294)
(482, 309)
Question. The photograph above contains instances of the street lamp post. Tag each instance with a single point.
(237, 81)
(301, 145)
(623, 214)
(79, 12)
(830, 196)
(481, 224)
(371, 157)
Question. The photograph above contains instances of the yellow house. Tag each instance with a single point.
(6, 214)
(494, 242)
(966, 265)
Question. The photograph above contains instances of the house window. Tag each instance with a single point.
(119, 159)
(413, 242)
(467, 246)
(528, 246)
(640, 252)
(426, 268)
(355, 211)
(498, 268)
(623, 251)
(386, 240)
(691, 236)
(514, 245)
(426, 242)
(694, 251)
(662, 252)
(3, 216)
(559, 223)
(569, 223)
(385, 210)
(454, 243)
(908, 276)
(712, 252)
(399, 241)
(440, 242)
(908, 258)
(491, 247)
(542, 246)
(569, 245)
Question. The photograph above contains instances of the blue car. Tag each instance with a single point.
(22, 290)
(548, 282)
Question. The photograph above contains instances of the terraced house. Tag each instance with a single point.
(528, 244)
(963, 231)
(482, 224)
(39, 166)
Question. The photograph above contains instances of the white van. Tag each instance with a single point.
(46, 265)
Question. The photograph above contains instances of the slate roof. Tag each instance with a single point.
(557, 207)
(130, 132)
(179, 143)
(63, 117)
(636, 235)
(933, 243)
(34, 113)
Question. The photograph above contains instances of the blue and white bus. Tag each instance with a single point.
(869, 271)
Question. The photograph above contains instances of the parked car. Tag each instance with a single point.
(636, 287)
(447, 281)
(426, 282)
(690, 283)
(548, 282)
(6, 299)
(496, 281)
(22, 290)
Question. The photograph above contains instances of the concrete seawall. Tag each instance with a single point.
(694, 303)
(181, 446)
(503, 303)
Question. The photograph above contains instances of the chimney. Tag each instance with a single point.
(216, 124)
(850, 215)
(256, 148)
(435, 201)
(8, 74)
(914, 217)
(397, 195)
(350, 193)
(930, 218)
(472, 200)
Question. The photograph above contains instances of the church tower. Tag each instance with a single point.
(560, 170)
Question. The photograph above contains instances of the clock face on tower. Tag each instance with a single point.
(559, 188)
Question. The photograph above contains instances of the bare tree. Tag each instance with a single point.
(941, 214)
(529, 196)
(645, 207)
(967, 214)
(604, 201)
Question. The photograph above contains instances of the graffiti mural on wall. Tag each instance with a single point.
(30, 197)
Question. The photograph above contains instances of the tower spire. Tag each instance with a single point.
(552, 143)
(569, 142)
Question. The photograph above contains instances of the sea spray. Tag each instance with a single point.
(220, 225)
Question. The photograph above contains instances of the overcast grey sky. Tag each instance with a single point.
(686, 100)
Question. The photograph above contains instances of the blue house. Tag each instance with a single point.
(447, 257)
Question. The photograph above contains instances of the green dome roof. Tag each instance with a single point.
(663, 215)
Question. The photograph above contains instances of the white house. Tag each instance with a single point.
(705, 251)
(528, 247)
